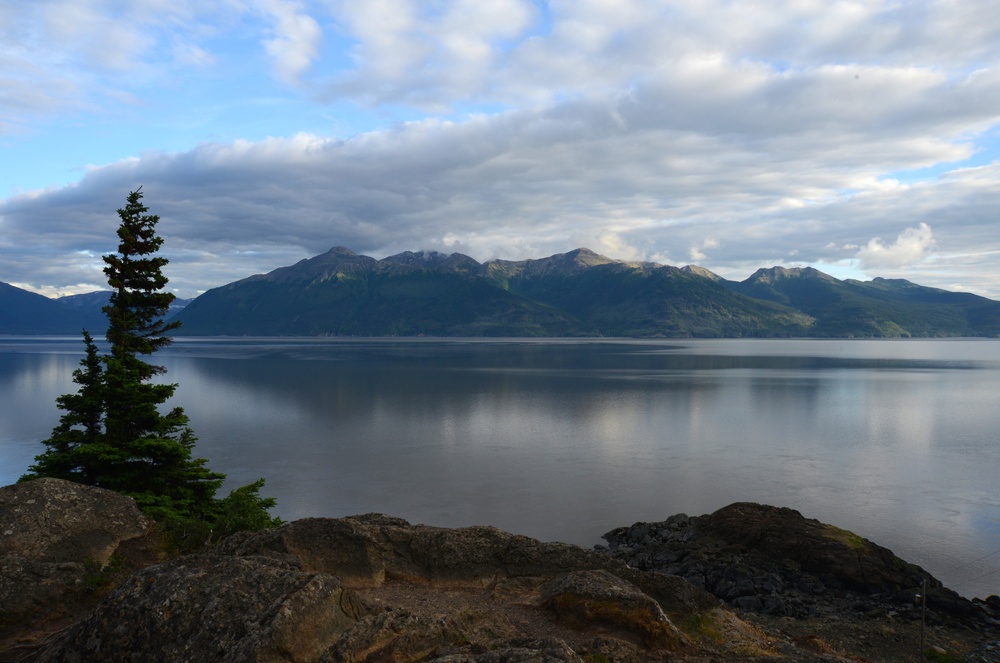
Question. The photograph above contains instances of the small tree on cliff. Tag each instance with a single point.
(113, 434)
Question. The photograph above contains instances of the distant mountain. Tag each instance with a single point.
(643, 299)
(579, 293)
(23, 312)
(881, 307)
(341, 293)
(88, 308)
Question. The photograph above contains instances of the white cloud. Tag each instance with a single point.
(912, 246)
(697, 252)
(430, 55)
(296, 39)
(734, 133)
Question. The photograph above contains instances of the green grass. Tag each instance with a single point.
(853, 541)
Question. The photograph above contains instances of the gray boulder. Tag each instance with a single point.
(51, 532)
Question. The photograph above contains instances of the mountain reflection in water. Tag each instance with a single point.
(566, 439)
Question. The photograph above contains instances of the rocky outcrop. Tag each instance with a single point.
(363, 551)
(368, 587)
(376, 588)
(597, 597)
(52, 533)
(213, 607)
(775, 561)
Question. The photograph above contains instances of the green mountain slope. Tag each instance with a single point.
(646, 299)
(573, 294)
(343, 294)
(578, 293)
(877, 308)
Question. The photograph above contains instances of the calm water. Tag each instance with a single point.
(564, 440)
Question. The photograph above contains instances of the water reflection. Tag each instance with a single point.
(565, 440)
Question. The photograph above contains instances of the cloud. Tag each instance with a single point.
(517, 185)
(429, 55)
(296, 38)
(734, 134)
(913, 245)
(697, 253)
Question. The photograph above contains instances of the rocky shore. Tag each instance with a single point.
(86, 578)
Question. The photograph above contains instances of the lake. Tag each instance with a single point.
(563, 440)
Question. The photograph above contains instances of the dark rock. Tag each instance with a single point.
(773, 560)
(613, 649)
(550, 650)
(212, 607)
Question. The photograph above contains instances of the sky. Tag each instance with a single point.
(858, 137)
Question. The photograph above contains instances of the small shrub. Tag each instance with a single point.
(97, 576)
(244, 510)
(186, 535)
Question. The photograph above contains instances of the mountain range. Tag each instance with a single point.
(579, 293)
(28, 313)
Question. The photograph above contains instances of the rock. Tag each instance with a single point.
(51, 532)
(365, 550)
(376, 588)
(550, 650)
(589, 598)
(351, 548)
(213, 607)
(612, 649)
(54, 520)
(774, 561)
(394, 635)
(292, 594)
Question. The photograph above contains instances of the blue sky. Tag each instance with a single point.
(861, 138)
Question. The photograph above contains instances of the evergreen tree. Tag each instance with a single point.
(80, 426)
(144, 453)
(113, 433)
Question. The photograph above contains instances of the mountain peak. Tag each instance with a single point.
(776, 273)
(585, 256)
(571, 262)
(340, 251)
(701, 271)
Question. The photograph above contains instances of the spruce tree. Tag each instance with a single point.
(113, 434)
(80, 426)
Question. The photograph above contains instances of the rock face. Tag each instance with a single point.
(206, 607)
(375, 588)
(357, 588)
(51, 531)
(773, 560)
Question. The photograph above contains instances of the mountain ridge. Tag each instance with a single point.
(577, 293)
